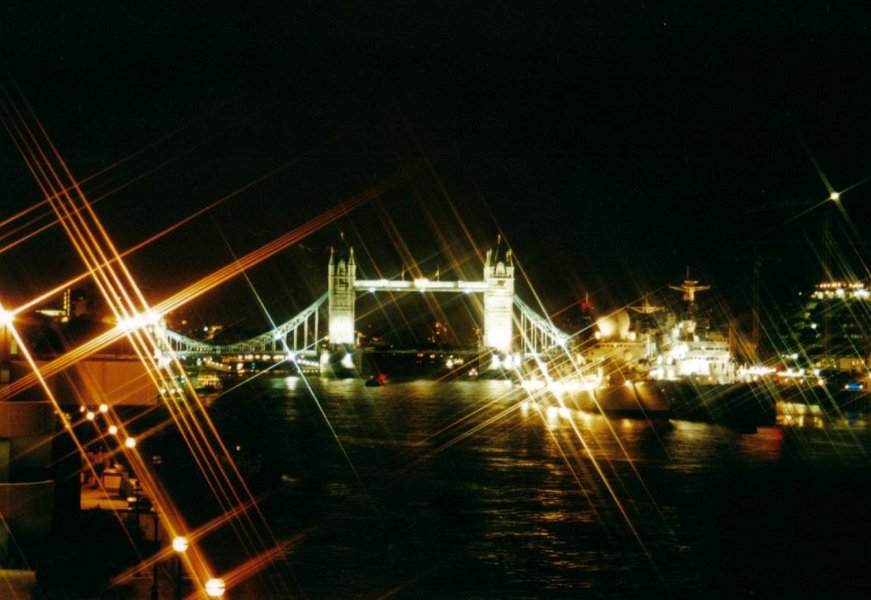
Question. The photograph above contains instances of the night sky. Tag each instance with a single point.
(612, 144)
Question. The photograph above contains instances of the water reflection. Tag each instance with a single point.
(473, 489)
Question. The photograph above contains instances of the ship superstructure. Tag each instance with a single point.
(690, 350)
(660, 345)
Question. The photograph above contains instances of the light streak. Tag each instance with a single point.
(116, 284)
(93, 245)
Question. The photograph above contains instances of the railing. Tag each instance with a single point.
(299, 335)
(538, 334)
(303, 336)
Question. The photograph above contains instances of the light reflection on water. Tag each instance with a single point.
(465, 491)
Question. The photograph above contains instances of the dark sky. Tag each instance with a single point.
(612, 143)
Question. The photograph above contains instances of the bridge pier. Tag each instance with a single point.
(341, 361)
(499, 299)
(342, 273)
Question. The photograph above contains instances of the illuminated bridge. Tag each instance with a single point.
(511, 327)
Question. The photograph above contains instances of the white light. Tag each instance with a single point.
(180, 543)
(90, 415)
(104, 408)
(113, 429)
(6, 318)
(130, 442)
(215, 587)
(139, 321)
(834, 196)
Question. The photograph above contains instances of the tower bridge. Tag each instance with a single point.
(510, 326)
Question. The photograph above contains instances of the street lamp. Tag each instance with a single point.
(155, 460)
(215, 587)
(180, 545)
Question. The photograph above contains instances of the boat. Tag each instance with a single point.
(377, 380)
(615, 375)
(666, 364)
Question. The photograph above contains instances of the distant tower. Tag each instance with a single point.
(342, 274)
(499, 298)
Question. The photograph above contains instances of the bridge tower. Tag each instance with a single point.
(499, 298)
(342, 275)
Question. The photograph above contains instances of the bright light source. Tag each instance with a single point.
(180, 544)
(130, 442)
(6, 317)
(90, 415)
(139, 321)
(104, 408)
(113, 429)
(215, 587)
(834, 196)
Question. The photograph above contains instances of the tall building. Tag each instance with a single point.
(829, 328)
(499, 298)
(27, 491)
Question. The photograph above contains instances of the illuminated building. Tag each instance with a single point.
(27, 493)
(342, 273)
(499, 298)
(497, 288)
(830, 327)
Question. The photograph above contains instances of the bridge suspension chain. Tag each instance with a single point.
(538, 334)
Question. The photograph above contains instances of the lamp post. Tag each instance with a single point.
(155, 461)
(180, 545)
(154, 592)
(215, 587)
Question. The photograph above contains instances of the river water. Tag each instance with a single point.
(465, 489)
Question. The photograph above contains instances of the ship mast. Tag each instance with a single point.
(646, 308)
(690, 287)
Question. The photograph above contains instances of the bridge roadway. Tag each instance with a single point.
(421, 284)
(364, 362)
